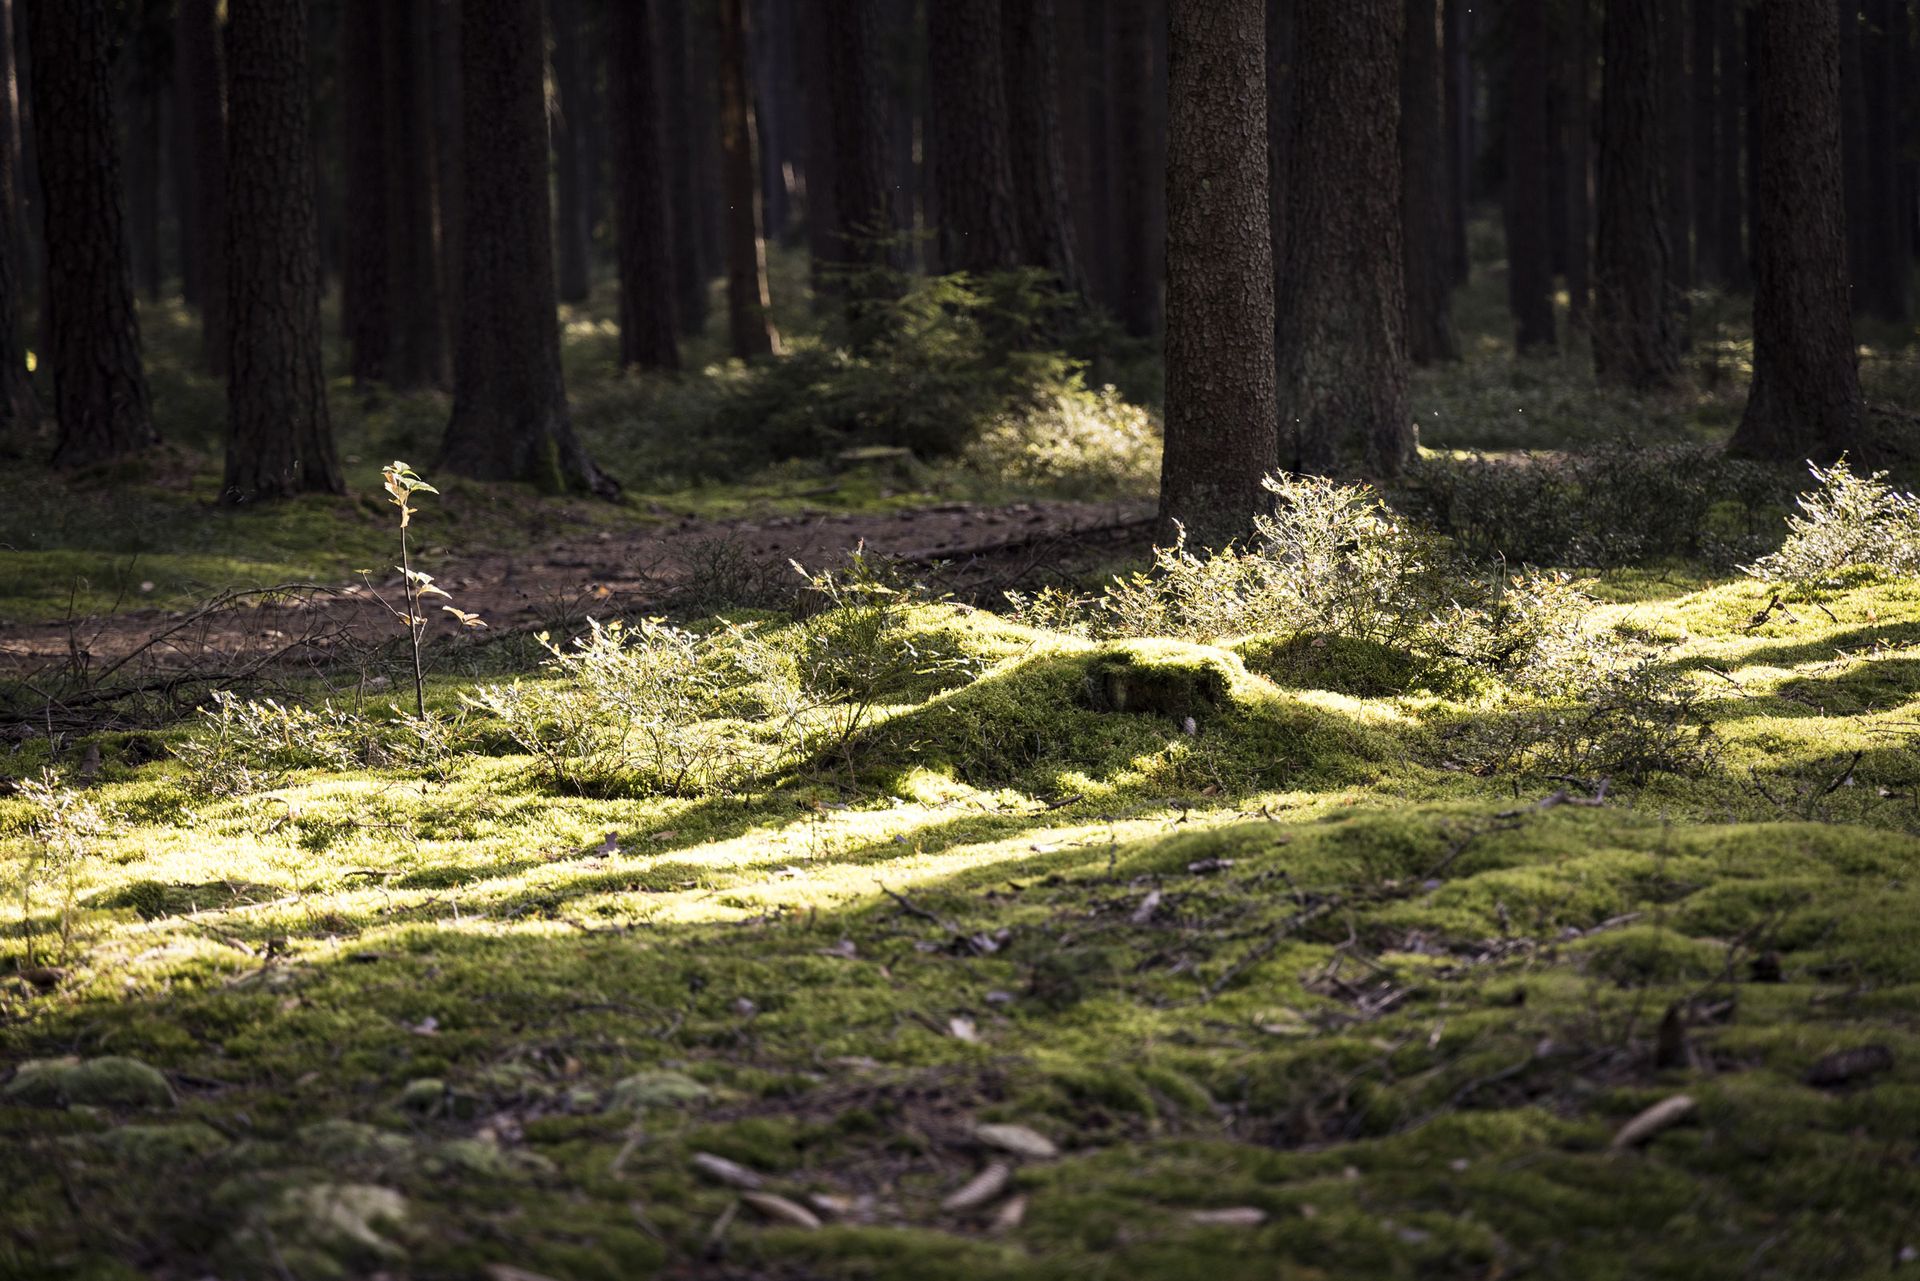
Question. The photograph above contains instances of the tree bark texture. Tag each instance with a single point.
(970, 144)
(1457, 50)
(279, 441)
(1676, 147)
(418, 354)
(365, 318)
(1702, 83)
(1574, 35)
(19, 407)
(1423, 178)
(690, 272)
(1030, 31)
(99, 387)
(1220, 366)
(1343, 350)
(444, 27)
(1883, 55)
(1805, 399)
(1529, 179)
(1139, 206)
(858, 105)
(1730, 99)
(573, 226)
(640, 184)
(749, 305)
(199, 73)
(1281, 78)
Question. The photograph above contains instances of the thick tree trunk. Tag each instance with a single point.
(99, 387)
(510, 418)
(1457, 51)
(906, 75)
(141, 94)
(640, 183)
(967, 119)
(19, 408)
(1805, 401)
(365, 316)
(1220, 365)
(568, 107)
(447, 155)
(1281, 80)
(823, 225)
(1730, 137)
(1103, 161)
(1040, 174)
(1423, 177)
(1343, 351)
(749, 315)
(703, 103)
(1575, 180)
(1139, 204)
(1635, 341)
(770, 37)
(858, 105)
(279, 441)
(1854, 160)
(1529, 180)
(1889, 282)
(1676, 149)
(1706, 143)
(1076, 132)
(200, 79)
(418, 355)
(690, 267)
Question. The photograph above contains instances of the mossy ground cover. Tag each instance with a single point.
(1278, 988)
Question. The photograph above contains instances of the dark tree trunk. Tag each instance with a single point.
(967, 121)
(199, 75)
(823, 225)
(99, 388)
(749, 317)
(1423, 177)
(447, 153)
(572, 225)
(1220, 366)
(1457, 51)
(709, 195)
(1343, 342)
(418, 355)
(1676, 149)
(1039, 161)
(19, 408)
(1575, 180)
(1706, 143)
(1805, 401)
(858, 104)
(904, 65)
(690, 270)
(640, 183)
(1139, 205)
(1103, 160)
(510, 418)
(1281, 78)
(1730, 100)
(1635, 342)
(1529, 179)
(770, 34)
(1076, 135)
(1853, 126)
(1883, 55)
(278, 438)
(141, 77)
(365, 318)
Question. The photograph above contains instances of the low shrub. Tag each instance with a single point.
(1847, 521)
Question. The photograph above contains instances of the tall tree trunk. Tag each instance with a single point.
(770, 39)
(19, 408)
(1102, 159)
(1730, 137)
(1220, 365)
(709, 195)
(1529, 178)
(906, 75)
(1706, 142)
(1423, 178)
(1575, 182)
(858, 104)
(99, 387)
(690, 269)
(1076, 136)
(1457, 51)
(1282, 76)
(1029, 28)
(749, 316)
(1343, 349)
(1676, 150)
(1883, 56)
(823, 228)
(1139, 205)
(967, 119)
(1635, 342)
(447, 154)
(640, 182)
(199, 73)
(279, 441)
(419, 351)
(141, 77)
(572, 225)
(510, 418)
(1805, 401)
(365, 317)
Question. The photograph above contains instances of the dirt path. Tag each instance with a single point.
(604, 573)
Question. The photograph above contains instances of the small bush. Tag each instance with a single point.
(1848, 521)
(62, 829)
(1071, 440)
(244, 745)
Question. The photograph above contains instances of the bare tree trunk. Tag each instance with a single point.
(1423, 177)
(447, 155)
(279, 441)
(1883, 54)
(691, 267)
(568, 122)
(1102, 159)
(1281, 79)
(1805, 401)
(418, 356)
(979, 229)
(640, 183)
(199, 72)
(19, 407)
(1676, 148)
(1576, 177)
(1529, 180)
(1029, 30)
(860, 112)
(1730, 204)
(1706, 142)
(1139, 204)
(749, 318)
(1457, 50)
(365, 317)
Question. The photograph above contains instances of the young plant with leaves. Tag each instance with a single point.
(402, 484)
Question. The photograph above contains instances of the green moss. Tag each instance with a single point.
(1345, 665)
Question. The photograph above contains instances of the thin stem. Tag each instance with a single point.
(414, 624)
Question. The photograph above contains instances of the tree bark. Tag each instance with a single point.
(1529, 179)
(1676, 149)
(1040, 173)
(1888, 281)
(510, 419)
(19, 407)
(1076, 132)
(1343, 352)
(1457, 50)
(749, 318)
(1220, 364)
(444, 29)
(99, 387)
(1730, 202)
(200, 78)
(1139, 204)
(1805, 400)
(858, 106)
(568, 107)
(141, 63)
(365, 316)
(1102, 160)
(640, 183)
(279, 441)
(979, 229)
(1706, 143)
(1423, 177)
(690, 272)
(1576, 176)
(419, 350)
(1635, 340)
(1282, 51)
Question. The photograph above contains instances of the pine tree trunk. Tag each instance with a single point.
(823, 227)
(1676, 178)
(365, 316)
(19, 408)
(1575, 181)
(770, 39)
(1529, 181)
(690, 268)
(1457, 51)
(1730, 202)
(709, 195)
(572, 227)
(1029, 29)
(967, 119)
(1706, 143)
(1343, 352)
(1423, 176)
(510, 419)
(1281, 78)
(906, 77)
(1076, 136)
(1635, 341)
(444, 29)
(419, 351)
(1805, 400)
(749, 318)
(1102, 160)
(1139, 204)
(99, 387)
(142, 102)
(640, 183)
(1889, 295)
(279, 441)
(201, 79)
(858, 103)
(1220, 364)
